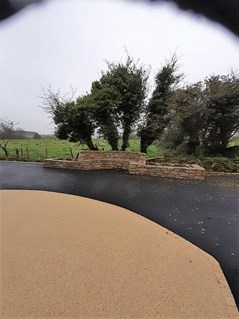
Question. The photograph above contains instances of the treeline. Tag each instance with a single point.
(198, 119)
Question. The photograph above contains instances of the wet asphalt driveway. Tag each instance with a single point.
(205, 213)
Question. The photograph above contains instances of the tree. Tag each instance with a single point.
(158, 108)
(73, 119)
(206, 115)
(105, 100)
(222, 101)
(81, 122)
(6, 133)
(119, 99)
(189, 116)
(113, 105)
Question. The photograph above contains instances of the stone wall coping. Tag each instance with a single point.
(193, 167)
(104, 160)
(114, 152)
(198, 167)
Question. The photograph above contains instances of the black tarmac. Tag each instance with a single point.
(206, 213)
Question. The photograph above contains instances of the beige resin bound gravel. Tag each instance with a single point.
(65, 256)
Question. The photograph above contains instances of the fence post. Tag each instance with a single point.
(27, 152)
(17, 153)
(71, 152)
(46, 153)
(21, 152)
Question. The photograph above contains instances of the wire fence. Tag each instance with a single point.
(39, 154)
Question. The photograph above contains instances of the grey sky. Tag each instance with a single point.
(64, 43)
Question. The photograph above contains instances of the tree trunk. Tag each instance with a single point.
(4, 150)
(225, 136)
(109, 130)
(144, 143)
(113, 141)
(193, 144)
(90, 144)
(125, 139)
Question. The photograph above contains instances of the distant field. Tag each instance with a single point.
(42, 148)
(233, 143)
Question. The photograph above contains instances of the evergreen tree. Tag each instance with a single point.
(158, 109)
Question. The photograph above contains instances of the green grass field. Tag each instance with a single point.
(233, 143)
(43, 148)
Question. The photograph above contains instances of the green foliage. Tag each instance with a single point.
(215, 164)
(205, 116)
(74, 120)
(81, 124)
(196, 120)
(219, 164)
(189, 113)
(114, 104)
(119, 98)
(222, 101)
(158, 112)
(232, 152)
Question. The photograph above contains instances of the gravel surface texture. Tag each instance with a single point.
(206, 213)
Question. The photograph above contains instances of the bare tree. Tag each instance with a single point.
(53, 101)
(73, 119)
(6, 133)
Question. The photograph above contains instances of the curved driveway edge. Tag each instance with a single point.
(68, 256)
(217, 271)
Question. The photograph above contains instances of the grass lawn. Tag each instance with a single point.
(42, 148)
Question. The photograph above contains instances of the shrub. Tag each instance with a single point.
(232, 151)
(219, 164)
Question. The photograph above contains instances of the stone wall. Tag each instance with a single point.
(195, 172)
(134, 163)
(86, 164)
(93, 160)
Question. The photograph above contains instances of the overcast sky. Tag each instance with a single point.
(65, 43)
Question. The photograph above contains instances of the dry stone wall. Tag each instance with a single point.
(194, 172)
(134, 163)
